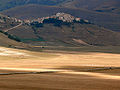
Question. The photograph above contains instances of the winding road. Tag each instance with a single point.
(13, 27)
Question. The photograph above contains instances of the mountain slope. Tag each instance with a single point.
(7, 39)
(6, 4)
(110, 21)
(55, 32)
(109, 6)
(51, 31)
(7, 22)
(112, 6)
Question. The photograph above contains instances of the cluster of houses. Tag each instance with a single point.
(16, 20)
(60, 16)
(5, 18)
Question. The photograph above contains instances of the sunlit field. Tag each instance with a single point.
(78, 68)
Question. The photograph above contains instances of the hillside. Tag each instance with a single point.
(6, 4)
(7, 22)
(110, 21)
(6, 42)
(61, 29)
(52, 31)
(7, 39)
(111, 6)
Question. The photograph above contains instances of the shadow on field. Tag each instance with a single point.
(91, 69)
(19, 73)
(101, 49)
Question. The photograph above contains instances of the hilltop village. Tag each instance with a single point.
(64, 17)
(58, 17)
(4, 19)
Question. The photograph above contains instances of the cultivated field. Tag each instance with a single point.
(60, 68)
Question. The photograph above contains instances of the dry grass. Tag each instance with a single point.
(56, 82)
(75, 78)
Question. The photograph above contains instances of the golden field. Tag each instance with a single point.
(61, 69)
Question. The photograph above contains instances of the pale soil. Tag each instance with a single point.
(69, 70)
(81, 42)
(10, 52)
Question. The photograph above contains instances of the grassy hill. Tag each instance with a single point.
(7, 22)
(7, 42)
(7, 39)
(96, 5)
(111, 6)
(6, 4)
(74, 35)
(110, 21)
(105, 13)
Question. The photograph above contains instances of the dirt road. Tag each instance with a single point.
(13, 27)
